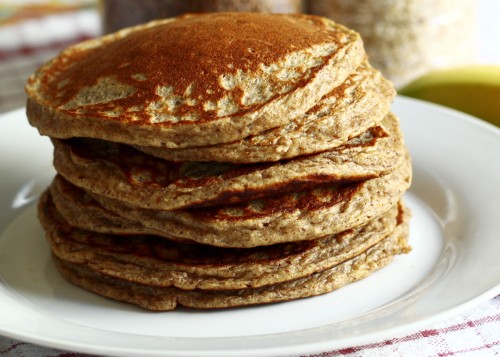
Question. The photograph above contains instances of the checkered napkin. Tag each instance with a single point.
(24, 46)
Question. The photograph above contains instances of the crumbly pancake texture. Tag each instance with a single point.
(120, 172)
(159, 262)
(80, 210)
(168, 298)
(193, 80)
(295, 216)
(359, 103)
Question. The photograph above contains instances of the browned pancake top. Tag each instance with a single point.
(189, 55)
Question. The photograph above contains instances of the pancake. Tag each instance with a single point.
(80, 210)
(359, 103)
(290, 217)
(194, 80)
(155, 261)
(168, 298)
(119, 172)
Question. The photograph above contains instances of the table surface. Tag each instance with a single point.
(26, 44)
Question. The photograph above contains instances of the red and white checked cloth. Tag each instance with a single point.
(24, 46)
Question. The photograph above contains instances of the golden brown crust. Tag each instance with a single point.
(286, 218)
(359, 103)
(145, 86)
(168, 298)
(160, 262)
(120, 172)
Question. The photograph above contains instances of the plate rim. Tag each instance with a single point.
(294, 349)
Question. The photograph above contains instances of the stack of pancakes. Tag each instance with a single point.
(220, 160)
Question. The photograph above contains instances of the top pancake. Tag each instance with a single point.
(359, 103)
(194, 80)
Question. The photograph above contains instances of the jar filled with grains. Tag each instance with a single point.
(408, 38)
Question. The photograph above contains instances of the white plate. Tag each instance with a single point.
(455, 199)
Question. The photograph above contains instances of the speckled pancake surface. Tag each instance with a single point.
(80, 210)
(119, 172)
(359, 103)
(290, 217)
(168, 298)
(160, 262)
(193, 80)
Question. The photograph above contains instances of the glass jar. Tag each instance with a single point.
(407, 38)
(117, 14)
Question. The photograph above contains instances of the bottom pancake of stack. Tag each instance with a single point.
(160, 274)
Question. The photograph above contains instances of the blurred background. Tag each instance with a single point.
(405, 39)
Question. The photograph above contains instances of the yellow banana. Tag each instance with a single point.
(473, 89)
